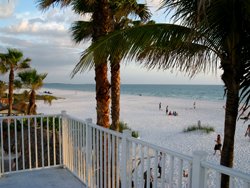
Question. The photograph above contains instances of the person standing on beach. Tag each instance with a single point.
(160, 164)
(218, 144)
(166, 110)
(194, 105)
(160, 106)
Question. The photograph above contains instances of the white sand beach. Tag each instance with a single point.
(142, 113)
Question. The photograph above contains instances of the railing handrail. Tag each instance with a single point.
(30, 116)
(162, 149)
(226, 170)
(96, 126)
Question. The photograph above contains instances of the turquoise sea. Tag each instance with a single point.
(198, 92)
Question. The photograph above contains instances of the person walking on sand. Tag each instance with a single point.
(194, 105)
(248, 131)
(160, 164)
(218, 144)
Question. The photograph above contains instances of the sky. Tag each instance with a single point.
(44, 37)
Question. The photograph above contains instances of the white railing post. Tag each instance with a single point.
(198, 173)
(125, 148)
(64, 138)
(88, 151)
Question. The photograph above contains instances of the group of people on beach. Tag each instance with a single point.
(168, 113)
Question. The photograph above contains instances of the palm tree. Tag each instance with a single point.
(34, 81)
(122, 21)
(101, 21)
(12, 61)
(208, 33)
(81, 30)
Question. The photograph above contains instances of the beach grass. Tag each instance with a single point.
(207, 129)
(124, 126)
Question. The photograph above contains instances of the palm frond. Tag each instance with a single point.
(83, 6)
(81, 31)
(160, 46)
(46, 4)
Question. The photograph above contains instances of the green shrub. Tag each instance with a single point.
(207, 129)
(124, 126)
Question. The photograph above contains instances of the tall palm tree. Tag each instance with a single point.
(121, 21)
(101, 21)
(81, 30)
(11, 62)
(34, 81)
(208, 33)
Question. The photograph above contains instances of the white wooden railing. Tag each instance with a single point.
(100, 157)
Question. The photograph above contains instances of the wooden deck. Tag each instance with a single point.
(44, 178)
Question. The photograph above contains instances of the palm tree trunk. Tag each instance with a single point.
(101, 20)
(102, 23)
(115, 107)
(115, 93)
(232, 102)
(32, 103)
(11, 88)
(102, 95)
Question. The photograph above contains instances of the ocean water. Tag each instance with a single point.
(194, 92)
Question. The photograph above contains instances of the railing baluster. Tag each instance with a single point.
(105, 154)
(35, 129)
(16, 151)
(48, 142)
(148, 166)
(98, 157)
(156, 162)
(23, 152)
(109, 161)
(42, 145)
(113, 162)
(135, 169)
(117, 162)
(206, 171)
(101, 159)
(171, 170)
(129, 164)
(9, 148)
(163, 172)
(180, 173)
(142, 165)
(78, 147)
(30, 166)
(60, 139)
(54, 140)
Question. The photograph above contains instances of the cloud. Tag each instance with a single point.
(7, 8)
(45, 38)
(154, 4)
